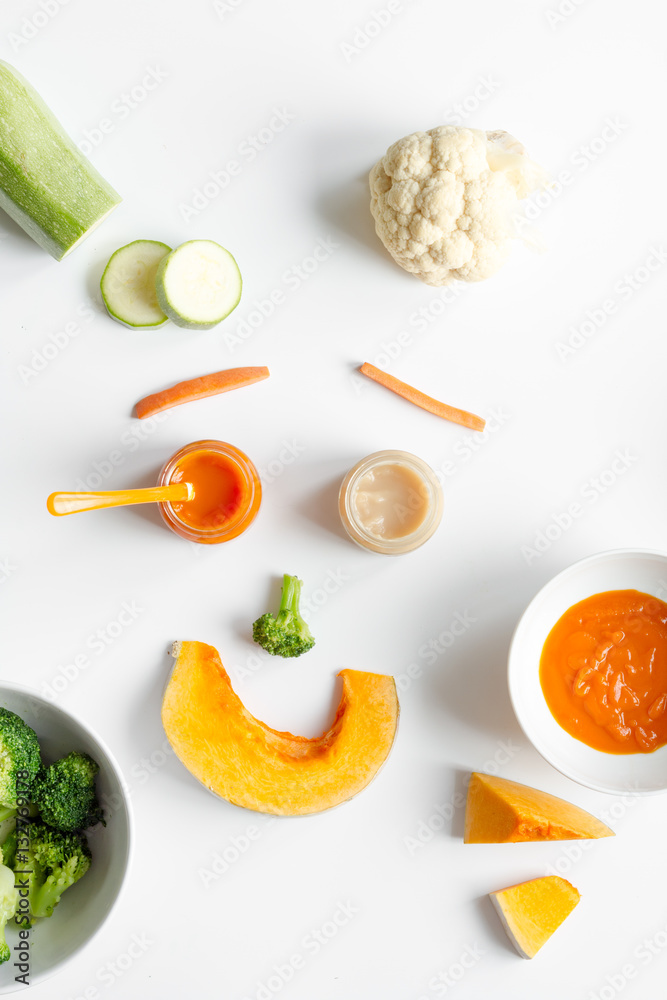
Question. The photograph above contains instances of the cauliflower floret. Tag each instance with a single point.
(443, 201)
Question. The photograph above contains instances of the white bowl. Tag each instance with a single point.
(622, 569)
(85, 906)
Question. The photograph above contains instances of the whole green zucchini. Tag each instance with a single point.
(46, 184)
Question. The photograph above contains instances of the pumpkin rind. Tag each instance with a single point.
(249, 764)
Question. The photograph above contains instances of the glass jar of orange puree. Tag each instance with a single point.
(227, 492)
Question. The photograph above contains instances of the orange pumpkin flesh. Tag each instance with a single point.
(499, 811)
(242, 760)
(531, 911)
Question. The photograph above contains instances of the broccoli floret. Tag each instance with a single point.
(8, 848)
(286, 634)
(9, 898)
(19, 758)
(64, 792)
(56, 860)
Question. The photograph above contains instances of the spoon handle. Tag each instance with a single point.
(72, 503)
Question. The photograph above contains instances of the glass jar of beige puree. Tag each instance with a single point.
(390, 502)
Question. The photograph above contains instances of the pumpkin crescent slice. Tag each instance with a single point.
(245, 762)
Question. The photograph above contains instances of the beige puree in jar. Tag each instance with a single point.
(390, 502)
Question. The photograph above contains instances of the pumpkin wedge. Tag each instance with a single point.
(532, 911)
(499, 811)
(242, 760)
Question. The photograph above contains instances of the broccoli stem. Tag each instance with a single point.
(48, 895)
(5, 951)
(9, 898)
(291, 594)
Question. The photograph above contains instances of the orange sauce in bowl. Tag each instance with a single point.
(603, 672)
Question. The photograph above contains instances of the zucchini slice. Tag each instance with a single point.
(198, 284)
(128, 284)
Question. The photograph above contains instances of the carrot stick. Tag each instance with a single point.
(421, 399)
(199, 388)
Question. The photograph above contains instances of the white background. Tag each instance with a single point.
(553, 82)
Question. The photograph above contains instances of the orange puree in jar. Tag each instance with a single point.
(220, 489)
(227, 492)
(603, 671)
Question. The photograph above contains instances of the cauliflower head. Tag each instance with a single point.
(444, 201)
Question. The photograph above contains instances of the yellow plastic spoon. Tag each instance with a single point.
(73, 503)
